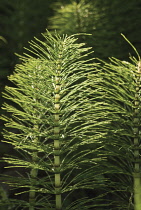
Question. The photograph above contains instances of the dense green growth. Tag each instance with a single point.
(116, 87)
(74, 126)
(105, 20)
(51, 126)
(72, 136)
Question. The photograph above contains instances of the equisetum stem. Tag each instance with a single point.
(137, 173)
(57, 140)
(33, 175)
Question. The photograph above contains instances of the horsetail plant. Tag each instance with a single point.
(116, 95)
(74, 125)
(51, 127)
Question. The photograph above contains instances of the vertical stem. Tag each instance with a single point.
(137, 173)
(33, 175)
(57, 161)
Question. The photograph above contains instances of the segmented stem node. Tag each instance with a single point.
(57, 160)
(137, 173)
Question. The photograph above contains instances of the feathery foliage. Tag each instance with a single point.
(116, 91)
(52, 128)
(74, 126)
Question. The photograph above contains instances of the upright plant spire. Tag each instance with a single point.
(136, 133)
(115, 90)
(51, 126)
(137, 172)
(57, 143)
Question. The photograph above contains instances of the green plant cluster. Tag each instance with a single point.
(50, 125)
(73, 123)
(105, 20)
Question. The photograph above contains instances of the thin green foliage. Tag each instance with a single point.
(74, 125)
(51, 127)
(115, 89)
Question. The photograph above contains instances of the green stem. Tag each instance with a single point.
(33, 176)
(137, 173)
(32, 193)
(57, 161)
